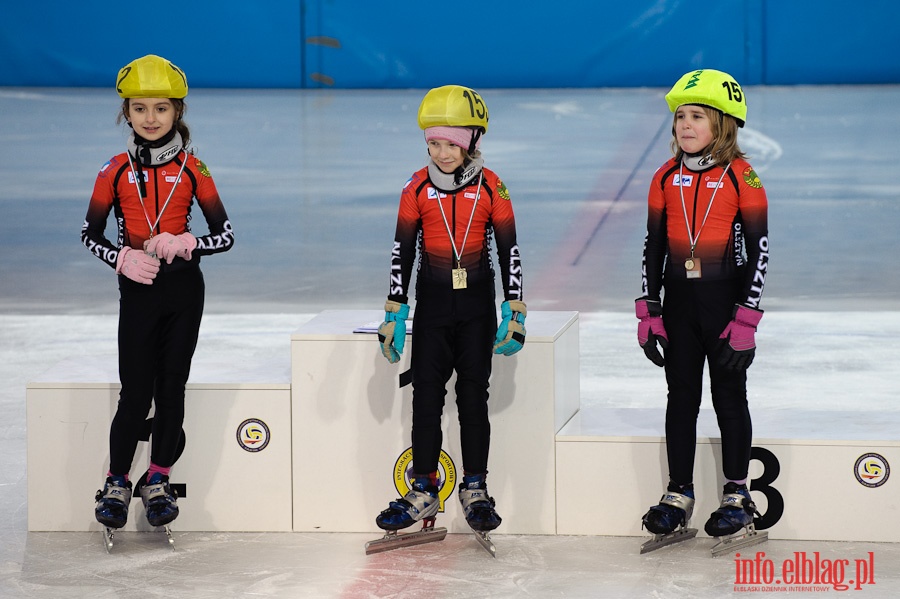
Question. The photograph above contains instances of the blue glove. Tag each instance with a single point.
(511, 332)
(392, 332)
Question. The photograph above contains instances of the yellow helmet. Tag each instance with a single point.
(710, 88)
(453, 106)
(151, 76)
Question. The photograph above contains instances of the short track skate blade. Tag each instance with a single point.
(108, 534)
(664, 540)
(484, 539)
(169, 537)
(394, 540)
(739, 540)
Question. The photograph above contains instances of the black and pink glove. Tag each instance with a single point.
(650, 329)
(738, 345)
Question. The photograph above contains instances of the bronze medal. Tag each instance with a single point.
(692, 264)
(692, 268)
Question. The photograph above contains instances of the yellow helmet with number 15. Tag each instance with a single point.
(151, 76)
(453, 106)
(709, 88)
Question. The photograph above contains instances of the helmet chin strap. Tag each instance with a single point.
(476, 135)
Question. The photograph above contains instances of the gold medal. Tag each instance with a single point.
(458, 274)
(689, 264)
(459, 278)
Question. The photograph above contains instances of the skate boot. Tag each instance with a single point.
(420, 503)
(732, 524)
(669, 520)
(675, 509)
(478, 508)
(159, 500)
(735, 512)
(113, 501)
(477, 505)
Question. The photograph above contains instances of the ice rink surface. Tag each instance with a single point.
(311, 181)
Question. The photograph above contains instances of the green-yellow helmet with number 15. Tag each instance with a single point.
(709, 88)
(151, 76)
(453, 106)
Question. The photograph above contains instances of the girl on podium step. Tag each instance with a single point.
(707, 245)
(150, 188)
(449, 212)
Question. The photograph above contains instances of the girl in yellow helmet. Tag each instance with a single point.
(449, 211)
(150, 188)
(707, 244)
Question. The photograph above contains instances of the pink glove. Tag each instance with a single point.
(650, 329)
(166, 246)
(137, 266)
(738, 344)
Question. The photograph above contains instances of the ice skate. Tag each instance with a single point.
(160, 503)
(478, 508)
(732, 524)
(112, 507)
(421, 503)
(669, 520)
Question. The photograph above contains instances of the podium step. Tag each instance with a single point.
(815, 475)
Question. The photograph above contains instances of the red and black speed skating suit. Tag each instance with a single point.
(733, 250)
(453, 329)
(159, 323)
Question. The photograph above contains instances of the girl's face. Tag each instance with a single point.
(151, 118)
(693, 128)
(448, 156)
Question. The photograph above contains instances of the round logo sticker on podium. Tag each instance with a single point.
(872, 470)
(253, 435)
(446, 475)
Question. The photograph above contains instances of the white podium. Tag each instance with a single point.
(352, 419)
(828, 489)
(235, 468)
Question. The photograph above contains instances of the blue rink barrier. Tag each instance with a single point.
(502, 44)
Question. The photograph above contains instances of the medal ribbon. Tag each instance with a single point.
(141, 197)
(691, 237)
(458, 254)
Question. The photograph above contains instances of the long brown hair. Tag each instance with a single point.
(180, 108)
(724, 128)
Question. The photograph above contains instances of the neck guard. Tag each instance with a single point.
(155, 153)
(450, 182)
